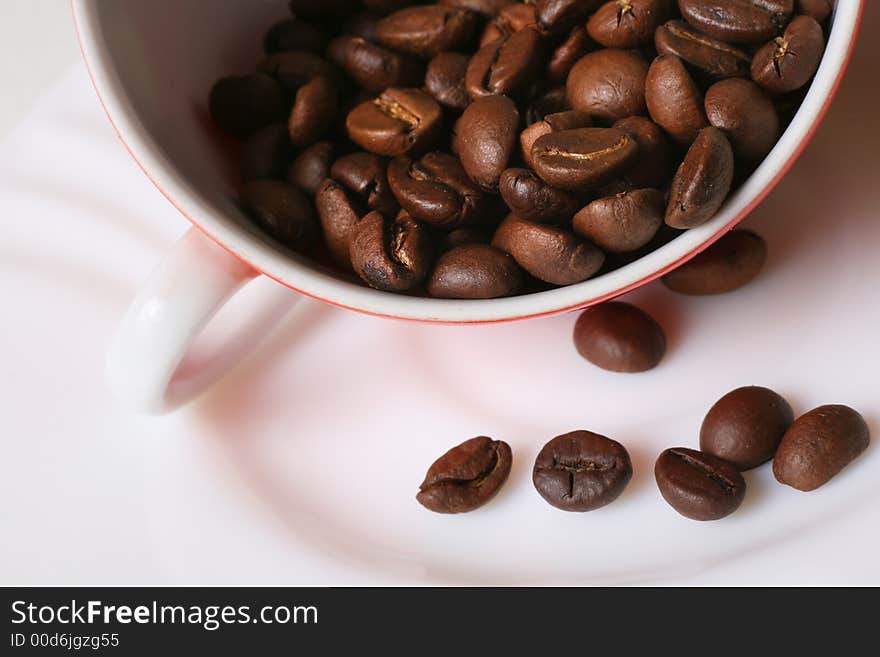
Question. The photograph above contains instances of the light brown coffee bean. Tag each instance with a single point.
(399, 121)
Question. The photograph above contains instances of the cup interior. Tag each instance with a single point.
(153, 64)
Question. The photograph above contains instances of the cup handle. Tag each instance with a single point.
(151, 366)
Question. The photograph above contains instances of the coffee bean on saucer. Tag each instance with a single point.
(474, 271)
(583, 159)
(399, 121)
(243, 105)
(608, 84)
(699, 486)
(444, 80)
(581, 471)
(466, 477)
(619, 337)
(486, 135)
(283, 211)
(789, 61)
(392, 255)
(427, 30)
(728, 264)
(746, 115)
(712, 57)
(266, 153)
(702, 182)
(737, 21)
(628, 23)
(818, 445)
(623, 222)
(745, 426)
(311, 167)
(674, 101)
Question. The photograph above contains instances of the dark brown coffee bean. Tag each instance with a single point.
(507, 21)
(549, 253)
(581, 471)
(674, 100)
(295, 68)
(294, 34)
(461, 237)
(702, 182)
(243, 105)
(746, 115)
(392, 255)
(608, 84)
(544, 103)
(399, 121)
(309, 169)
(362, 24)
(445, 79)
(531, 198)
(818, 445)
(339, 214)
(283, 211)
(427, 30)
(568, 53)
(568, 120)
(819, 10)
(474, 271)
(485, 7)
(322, 9)
(628, 23)
(737, 21)
(699, 486)
(506, 65)
(745, 426)
(554, 15)
(436, 189)
(486, 135)
(388, 6)
(623, 222)
(654, 166)
(466, 477)
(364, 176)
(580, 160)
(714, 58)
(790, 61)
(374, 67)
(731, 262)
(314, 111)
(619, 337)
(266, 153)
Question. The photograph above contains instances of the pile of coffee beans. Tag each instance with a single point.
(582, 471)
(484, 148)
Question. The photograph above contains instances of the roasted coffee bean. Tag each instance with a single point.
(474, 271)
(619, 337)
(294, 34)
(461, 237)
(309, 169)
(558, 14)
(702, 182)
(322, 9)
(387, 6)
(699, 486)
(628, 23)
(508, 20)
(374, 67)
(296, 68)
(737, 21)
(445, 79)
(436, 189)
(674, 100)
(549, 253)
(552, 101)
(819, 10)
(506, 65)
(364, 175)
(579, 160)
(714, 58)
(314, 111)
(266, 153)
(399, 121)
(731, 262)
(243, 105)
(818, 445)
(745, 426)
(746, 115)
(466, 477)
(339, 214)
(623, 222)
(485, 7)
(362, 24)
(568, 53)
(608, 84)
(531, 198)
(392, 255)
(283, 211)
(428, 29)
(654, 166)
(581, 471)
(790, 61)
(557, 122)
(486, 135)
